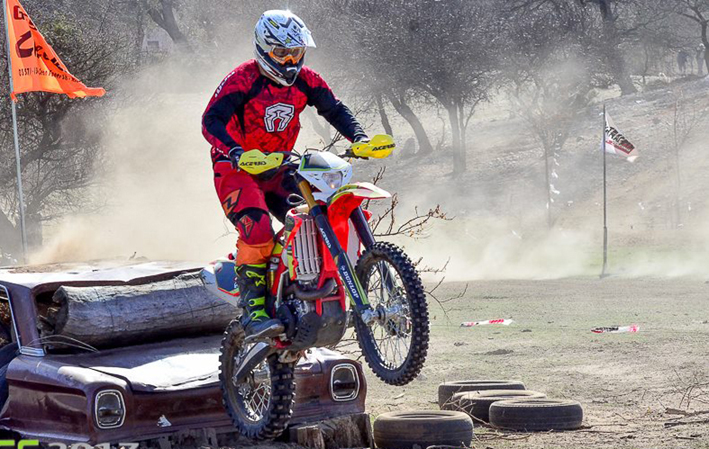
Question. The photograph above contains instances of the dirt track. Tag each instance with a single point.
(625, 382)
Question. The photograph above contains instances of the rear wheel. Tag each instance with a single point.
(395, 342)
(260, 407)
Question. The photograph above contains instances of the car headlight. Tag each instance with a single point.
(333, 180)
(344, 382)
(110, 409)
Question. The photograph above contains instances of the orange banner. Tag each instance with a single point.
(35, 66)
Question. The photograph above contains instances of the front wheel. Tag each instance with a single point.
(395, 342)
(260, 407)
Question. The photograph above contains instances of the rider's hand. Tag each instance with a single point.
(361, 138)
(234, 155)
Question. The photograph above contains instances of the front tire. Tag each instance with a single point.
(261, 407)
(395, 345)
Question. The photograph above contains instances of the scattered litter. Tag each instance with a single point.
(163, 422)
(526, 330)
(399, 396)
(641, 206)
(460, 343)
(504, 322)
(616, 329)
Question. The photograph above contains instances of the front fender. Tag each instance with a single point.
(343, 203)
(361, 190)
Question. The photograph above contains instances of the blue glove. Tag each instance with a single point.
(234, 156)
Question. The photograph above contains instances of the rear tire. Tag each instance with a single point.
(536, 415)
(410, 298)
(270, 420)
(448, 389)
(404, 430)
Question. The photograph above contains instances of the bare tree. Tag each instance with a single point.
(698, 12)
(60, 138)
(550, 75)
(162, 12)
(687, 117)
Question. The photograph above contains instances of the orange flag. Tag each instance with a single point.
(35, 66)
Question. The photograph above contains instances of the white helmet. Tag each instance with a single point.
(281, 39)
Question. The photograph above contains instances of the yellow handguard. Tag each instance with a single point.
(380, 147)
(255, 162)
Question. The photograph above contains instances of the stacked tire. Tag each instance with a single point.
(407, 430)
(509, 405)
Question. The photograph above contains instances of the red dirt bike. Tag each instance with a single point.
(326, 272)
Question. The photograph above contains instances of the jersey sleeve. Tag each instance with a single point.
(222, 108)
(330, 107)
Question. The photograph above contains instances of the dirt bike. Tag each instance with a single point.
(325, 262)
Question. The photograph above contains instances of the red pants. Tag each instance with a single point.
(247, 201)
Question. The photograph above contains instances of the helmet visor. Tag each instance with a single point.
(283, 55)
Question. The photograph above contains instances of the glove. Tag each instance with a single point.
(361, 138)
(234, 155)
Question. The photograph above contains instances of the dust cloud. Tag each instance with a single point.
(158, 199)
(157, 187)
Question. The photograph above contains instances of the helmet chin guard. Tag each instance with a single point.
(280, 41)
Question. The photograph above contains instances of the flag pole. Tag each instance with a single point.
(605, 208)
(20, 193)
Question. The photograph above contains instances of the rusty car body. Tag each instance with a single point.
(142, 392)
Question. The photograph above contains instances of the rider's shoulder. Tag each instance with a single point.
(243, 74)
(311, 77)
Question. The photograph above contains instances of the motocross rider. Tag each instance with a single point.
(257, 106)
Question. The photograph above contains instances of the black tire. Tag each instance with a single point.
(275, 418)
(403, 430)
(536, 415)
(477, 403)
(448, 389)
(415, 299)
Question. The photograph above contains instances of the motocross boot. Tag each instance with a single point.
(252, 289)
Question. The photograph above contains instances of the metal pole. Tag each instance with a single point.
(20, 193)
(605, 208)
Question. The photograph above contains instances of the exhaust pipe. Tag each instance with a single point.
(313, 295)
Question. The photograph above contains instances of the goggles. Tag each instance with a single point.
(283, 55)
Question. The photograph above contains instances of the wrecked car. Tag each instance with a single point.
(58, 388)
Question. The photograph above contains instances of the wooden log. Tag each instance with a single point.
(124, 315)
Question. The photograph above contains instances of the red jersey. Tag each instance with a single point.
(249, 111)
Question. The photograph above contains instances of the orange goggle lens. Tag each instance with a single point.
(284, 55)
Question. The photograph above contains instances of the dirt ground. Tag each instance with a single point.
(625, 382)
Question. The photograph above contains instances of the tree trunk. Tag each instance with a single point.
(611, 46)
(10, 238)
(165, 19)
(463, 125)
(383, 116)
(405, 111)
(705, 41)
(124, 315)
(548, 184)
(458, 153)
